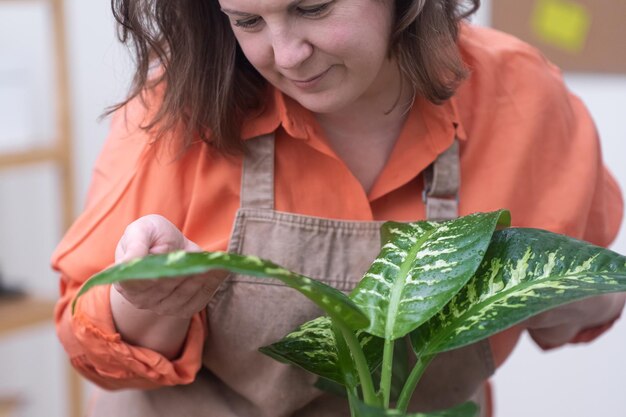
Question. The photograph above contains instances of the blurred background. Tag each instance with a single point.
(61, 66)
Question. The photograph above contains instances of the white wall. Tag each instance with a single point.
(100, 72)
(573, 382)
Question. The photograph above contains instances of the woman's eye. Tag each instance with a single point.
(314, 11)
(311, 11)
(248, 23)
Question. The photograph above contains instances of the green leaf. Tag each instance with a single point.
(464, 410)
(524, 272)
(420, 268)
(313, 347)
(335, 303)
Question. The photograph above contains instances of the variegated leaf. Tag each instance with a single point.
(524, 272)
(313, 347)
(335, 303)
(464, 410)
(420, 268)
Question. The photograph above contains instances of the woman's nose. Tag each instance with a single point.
(290, 48)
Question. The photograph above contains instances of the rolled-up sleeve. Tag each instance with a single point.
(119, 193)
(97, 351)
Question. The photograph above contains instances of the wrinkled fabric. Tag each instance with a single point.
(526, 144)
(247, 312)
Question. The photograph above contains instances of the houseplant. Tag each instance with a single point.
(443, 285)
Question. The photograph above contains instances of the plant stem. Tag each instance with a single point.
(411, 382)
(386, 372)
(352, 395)
(346, 364)
(367, 386)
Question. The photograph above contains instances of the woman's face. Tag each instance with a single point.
(325, 54)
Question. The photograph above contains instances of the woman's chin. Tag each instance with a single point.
(320, 103)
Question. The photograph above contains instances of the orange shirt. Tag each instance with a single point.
(527, 144)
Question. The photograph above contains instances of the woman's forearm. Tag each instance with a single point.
(161, 333)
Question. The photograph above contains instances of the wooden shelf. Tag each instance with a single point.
(24, 312)
(29, 156)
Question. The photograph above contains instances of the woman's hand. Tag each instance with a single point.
(179, 297)
(156, 313)
(559, 326)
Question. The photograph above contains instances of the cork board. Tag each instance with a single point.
(577, 35)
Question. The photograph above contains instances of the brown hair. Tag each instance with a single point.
(188, 47)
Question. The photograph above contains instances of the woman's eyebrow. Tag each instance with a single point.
(291, 5)
(234, 12)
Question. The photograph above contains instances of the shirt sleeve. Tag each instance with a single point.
(120, 192)
(598, 196)
(534, 146)
(601, 222)
(590, 334)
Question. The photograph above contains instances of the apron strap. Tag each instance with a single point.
(441, 185)
(441, 179)
(257, 182)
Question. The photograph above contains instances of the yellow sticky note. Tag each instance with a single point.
(563, 24)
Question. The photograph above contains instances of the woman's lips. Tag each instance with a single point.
(310, 82)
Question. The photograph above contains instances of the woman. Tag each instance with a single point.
(289, 130)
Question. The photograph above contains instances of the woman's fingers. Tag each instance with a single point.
(137, 241)
(190, 246)
(182, 296)
(205, 289)
(146, 235)
(150, 234)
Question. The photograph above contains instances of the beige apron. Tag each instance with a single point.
(247, 313)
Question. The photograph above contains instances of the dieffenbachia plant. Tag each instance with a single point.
(443, 285)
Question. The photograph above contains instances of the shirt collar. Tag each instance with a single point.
(455, 117)
(279, 111)
(282, 111)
